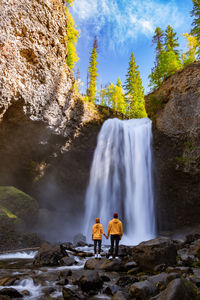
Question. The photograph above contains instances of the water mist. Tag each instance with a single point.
(121, 179)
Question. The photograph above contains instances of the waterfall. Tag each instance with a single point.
(121, 179)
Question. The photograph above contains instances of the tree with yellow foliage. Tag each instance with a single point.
(192, 51)
(72, 36)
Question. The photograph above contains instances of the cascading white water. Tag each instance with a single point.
(121, 179)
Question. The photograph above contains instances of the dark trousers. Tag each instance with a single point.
(115, 238)
(95, 246)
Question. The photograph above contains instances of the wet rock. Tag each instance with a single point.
(68, 294)
(84, 254)
(104, 264)
(4, 297)
(65, 273)
(25, 293)
(12, 293)
(124, 251)
(141, 290)
(79, 240)
(48, 255)
(179, 289)
(6, 281)
(67, 261)
(67, 246)
(126, 280)
(154, 252)
(90, 281)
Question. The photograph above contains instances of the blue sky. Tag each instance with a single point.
(123, 27)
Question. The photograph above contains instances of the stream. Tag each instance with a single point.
(40, 282)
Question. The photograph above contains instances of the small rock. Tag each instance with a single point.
(90, 281)
(65, 273)
(6, 281)
(141, 290)
(111, 290)
(62, 282)
(105, 278)
(130, 265)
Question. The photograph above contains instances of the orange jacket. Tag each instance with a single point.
(115, 227)
(97, 231)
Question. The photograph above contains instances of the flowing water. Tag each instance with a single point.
(121, 179)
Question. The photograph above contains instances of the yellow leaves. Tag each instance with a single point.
(192, 42)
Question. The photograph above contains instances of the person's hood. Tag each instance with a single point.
(115, 220)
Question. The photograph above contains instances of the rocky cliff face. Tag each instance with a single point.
(47, 134)
(175, 109)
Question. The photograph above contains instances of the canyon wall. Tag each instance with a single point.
(175, 110)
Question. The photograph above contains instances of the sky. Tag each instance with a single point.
(123, 27)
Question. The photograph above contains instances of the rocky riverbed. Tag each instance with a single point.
(158, 269)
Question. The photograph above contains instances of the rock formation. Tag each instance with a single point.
(47, 133)
(175, 109)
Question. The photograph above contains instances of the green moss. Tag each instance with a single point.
(16, 202)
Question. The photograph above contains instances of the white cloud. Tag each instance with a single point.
(118, 21)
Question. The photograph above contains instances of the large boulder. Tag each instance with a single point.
(10, 292)
(179, 289)
(141, 290)
(104, 264)
(49, 255)
(155, 252)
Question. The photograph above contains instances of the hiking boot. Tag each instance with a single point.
(99, 255)
(110, 257)
(96, 256)
(116, 257)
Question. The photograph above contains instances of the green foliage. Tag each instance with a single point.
(72, 36)
(92, 73)
(167, 56)
(196, 23)
(134, 91)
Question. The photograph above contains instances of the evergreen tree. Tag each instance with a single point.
(92, 73)
(171, 41)
(134, 91)
(72, 36)
(158, 41)
(196, 23)
(167, 56)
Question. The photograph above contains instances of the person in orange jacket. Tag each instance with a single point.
(115, 230)
(97, 231)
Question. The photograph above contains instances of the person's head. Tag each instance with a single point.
(115, 215)
(97, 220)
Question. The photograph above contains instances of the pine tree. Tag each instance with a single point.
(171, 41)
(167, 56)
(72, 36)
(134, 91)
(196, 23)
(92, 73)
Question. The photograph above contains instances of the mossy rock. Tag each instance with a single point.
(16, 205)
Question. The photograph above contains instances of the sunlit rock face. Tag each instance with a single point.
(175, 109)
(32, 56)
